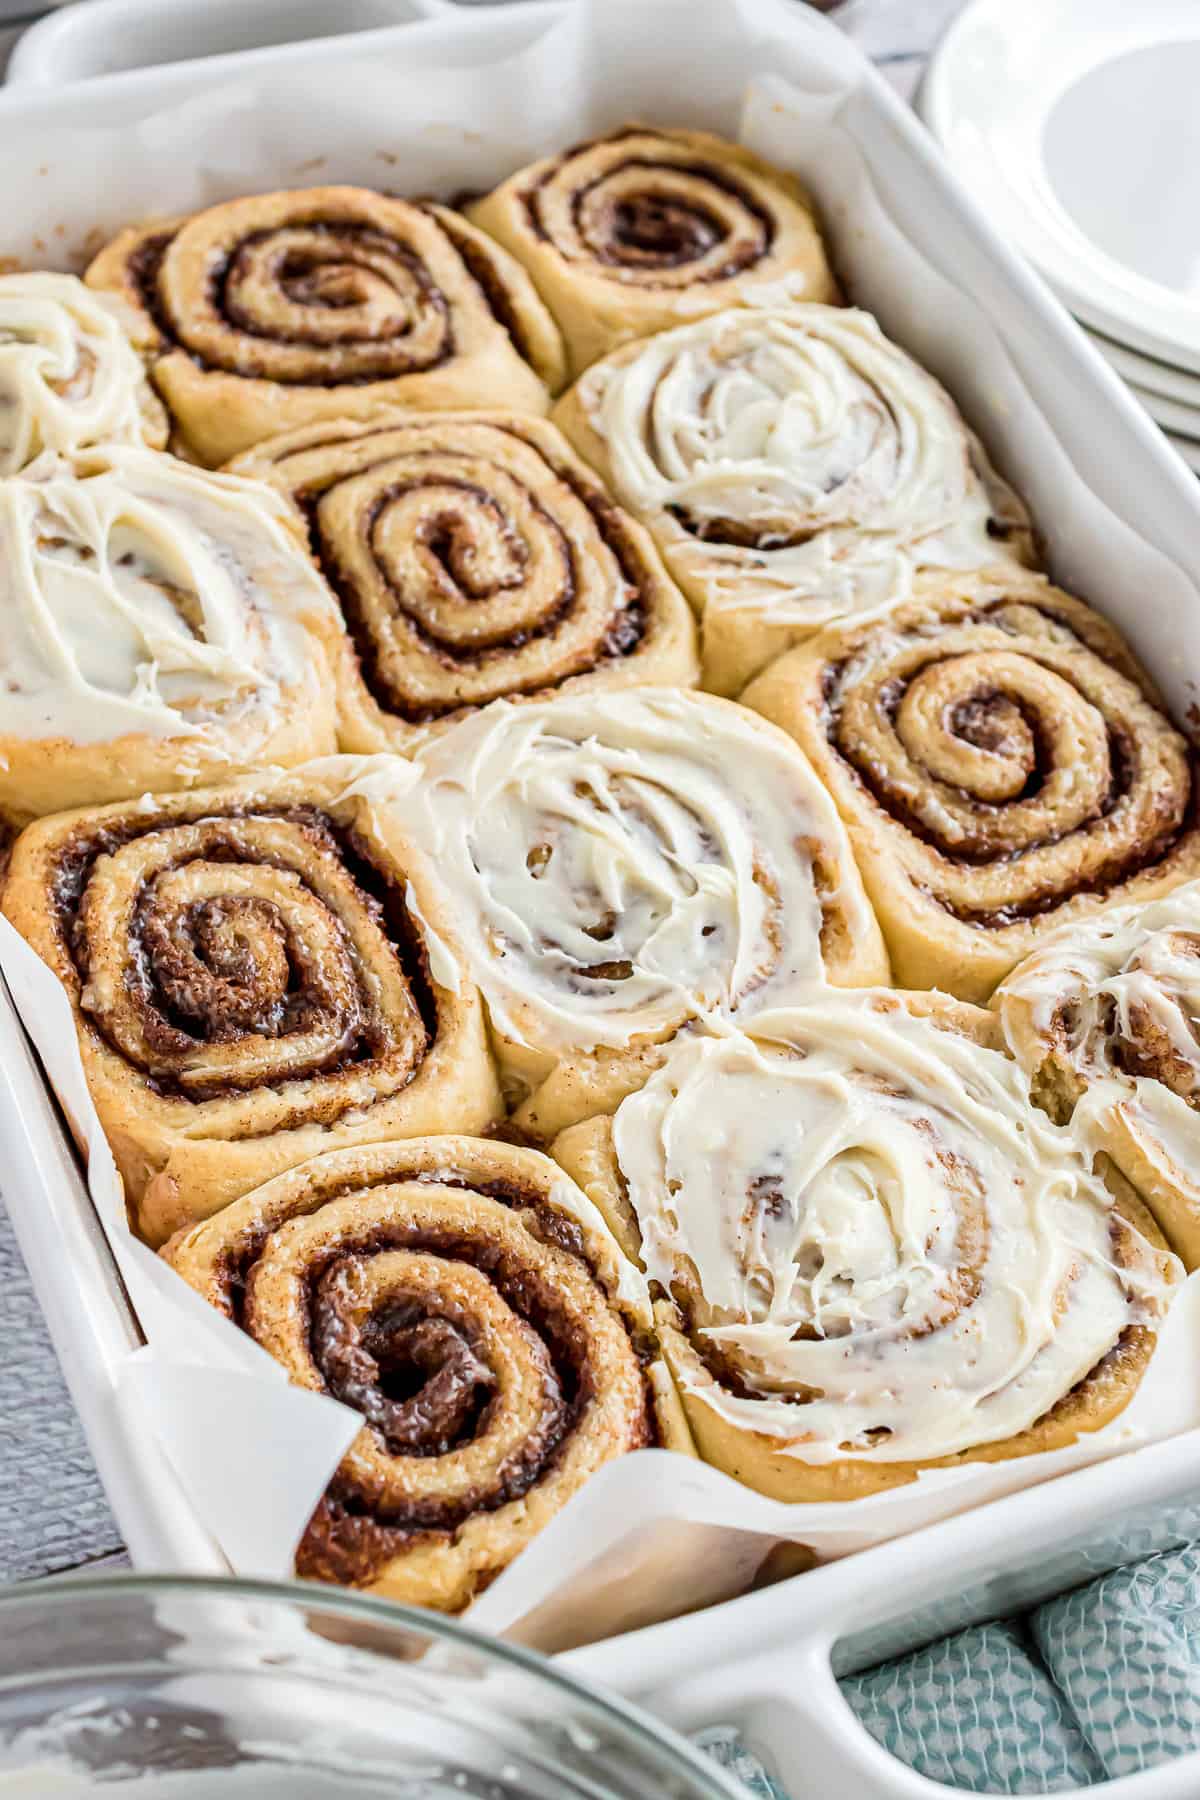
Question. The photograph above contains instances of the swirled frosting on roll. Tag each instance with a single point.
(795, 467)
(467, 1300)
(877, 1247)
(1105, 1017)
(274, 310)
(635, 231)
(1002, 764)
(69, 376)
(621, 863)
(475, 557)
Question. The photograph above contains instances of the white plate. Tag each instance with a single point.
(1076, 126)
(1146, 373)
(1188, 448)
(1183, 421)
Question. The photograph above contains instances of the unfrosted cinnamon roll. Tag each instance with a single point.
(622, 864)
(1003, 767)
(69, 376)
(259, 972)
(162, 628)
(1105, 1019)
(875, 1254)
(795, 468)
(475, 558)
(277, 310)
(467, 1299)
(639, 230)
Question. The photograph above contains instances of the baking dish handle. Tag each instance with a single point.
(107, 37)
(791, 1713)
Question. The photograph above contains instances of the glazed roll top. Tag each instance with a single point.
(1105, 1017)
(638, 230)
(620, 864)
(475, 557)
(467, 1299)
(1003, 765)
(260, 972)
(163, 626)
(878, 1251)
(69, 376)
(795, 467)
(267, 312)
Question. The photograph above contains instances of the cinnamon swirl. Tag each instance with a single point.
(467, 1299)
(622, 864)
(1105, 1019)
(259, 972)
(643, 228)
(876, 1254)
(162, 628)
(475, 557)
(795, 468)
(1003, 767)
(278, 310)
(69, 376)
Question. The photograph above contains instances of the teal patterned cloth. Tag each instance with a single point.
(1102, 1682)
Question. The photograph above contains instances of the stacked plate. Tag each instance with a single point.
(1077, 127)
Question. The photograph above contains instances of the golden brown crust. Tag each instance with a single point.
(276, 310)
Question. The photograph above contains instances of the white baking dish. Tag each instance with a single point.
(763, 1661)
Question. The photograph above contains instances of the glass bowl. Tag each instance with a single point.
(189, 1688)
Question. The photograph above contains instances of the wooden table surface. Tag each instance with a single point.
(53, 1514)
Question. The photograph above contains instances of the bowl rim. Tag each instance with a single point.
(66, 1592)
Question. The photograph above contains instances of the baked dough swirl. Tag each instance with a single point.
(795, 467)
(69, 376)
(278, 310)
(475, 557)
(1003, 767)
(1105, 1018)
(877, 1255)
(467, 1299)
(642, 229)
(162, 629)
(622, 864)
(259, 972)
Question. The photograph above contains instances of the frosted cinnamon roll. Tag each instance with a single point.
(795, 467)
(642, 229)
(875, 1254)
(467, 1299)
(259, 972)
(620, 865)
(162, 628)
(69, 376)
(1003, 767)
(279, 310)
(475, 557)
(1105, 1019)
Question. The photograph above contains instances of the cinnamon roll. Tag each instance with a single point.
(259, 972)
(643, 228)
(795, 468)
(1003, 767)
(475, 557)
(1105, 1019)
(620, 865)
(163, 628)
(278, 310)
(69, 376)
(467, 1299)
(875, 1254)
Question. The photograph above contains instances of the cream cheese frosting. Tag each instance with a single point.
(1117, 997)
(69, 376)
(793, 459)
(142, 595)
(621, 863)
(865, 1218)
